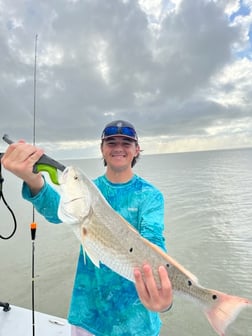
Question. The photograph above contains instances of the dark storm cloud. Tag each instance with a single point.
(100, 60)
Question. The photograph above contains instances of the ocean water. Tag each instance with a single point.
(208, 216)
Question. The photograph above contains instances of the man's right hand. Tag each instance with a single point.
(19, 159)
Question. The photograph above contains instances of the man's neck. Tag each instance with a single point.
(117, 176)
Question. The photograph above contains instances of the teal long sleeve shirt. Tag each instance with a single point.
(103, 302)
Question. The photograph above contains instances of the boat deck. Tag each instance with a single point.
(18, 321)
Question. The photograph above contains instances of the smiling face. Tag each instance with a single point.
(119, 152)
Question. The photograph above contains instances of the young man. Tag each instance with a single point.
(103, 303)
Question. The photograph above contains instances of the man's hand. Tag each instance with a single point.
(19, 159)
(152, 297)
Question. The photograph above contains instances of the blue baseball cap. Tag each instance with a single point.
(119, 128)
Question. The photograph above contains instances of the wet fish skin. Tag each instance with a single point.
(107, 238)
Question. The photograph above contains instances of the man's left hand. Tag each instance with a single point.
(153, 298)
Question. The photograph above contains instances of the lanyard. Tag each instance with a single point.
(7, 206)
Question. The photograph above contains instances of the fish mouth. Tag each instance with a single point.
(64, 175)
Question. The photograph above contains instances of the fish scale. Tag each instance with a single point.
(109, 239)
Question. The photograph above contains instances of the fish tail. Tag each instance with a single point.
(225, 310)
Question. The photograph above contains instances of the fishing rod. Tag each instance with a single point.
(33, 225)
(46, 164)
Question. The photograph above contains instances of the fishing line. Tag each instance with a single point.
(33, 225)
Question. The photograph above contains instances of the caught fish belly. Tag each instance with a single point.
(109, 239)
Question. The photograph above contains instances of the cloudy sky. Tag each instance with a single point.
(179, 70)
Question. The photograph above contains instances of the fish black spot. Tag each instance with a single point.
(167, 265)
(214, 297)
(131, 249)
(189, 283)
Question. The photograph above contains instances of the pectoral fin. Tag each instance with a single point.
(91, 256)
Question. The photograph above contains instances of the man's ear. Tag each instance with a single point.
(138, 150)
